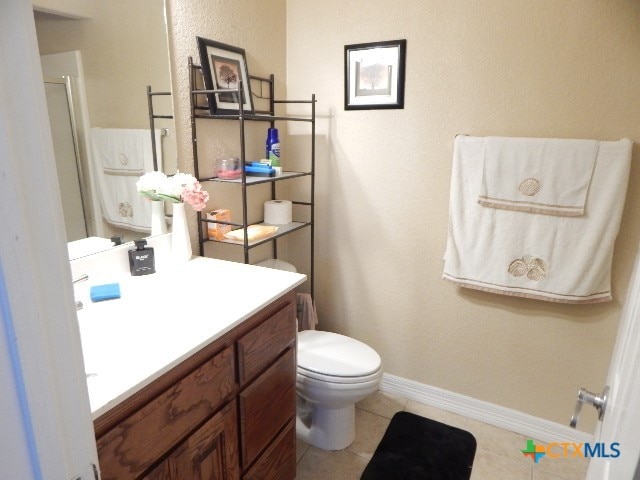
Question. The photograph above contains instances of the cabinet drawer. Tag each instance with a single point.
(278, 462)
(137, 442)
(266, 406)
(258, 348)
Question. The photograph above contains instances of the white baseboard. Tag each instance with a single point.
(512, 420)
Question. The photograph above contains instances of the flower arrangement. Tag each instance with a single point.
(150, 185)
(179, 188)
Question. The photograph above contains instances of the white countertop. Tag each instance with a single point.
(164, 318)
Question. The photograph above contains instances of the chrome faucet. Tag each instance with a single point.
(81, 278)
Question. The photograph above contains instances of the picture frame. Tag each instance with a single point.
(224, 66)
(374, 75)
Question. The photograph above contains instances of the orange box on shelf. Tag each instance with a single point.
(216, 231)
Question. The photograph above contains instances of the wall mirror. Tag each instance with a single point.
(97, 66)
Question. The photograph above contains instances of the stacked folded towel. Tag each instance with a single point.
(122, 151)
(536, 218)
(550, 176)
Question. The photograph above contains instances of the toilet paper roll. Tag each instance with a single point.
(277, 212)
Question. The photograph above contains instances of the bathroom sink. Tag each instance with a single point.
(162, 319)
(130, 341)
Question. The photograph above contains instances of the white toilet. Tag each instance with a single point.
(334, 372)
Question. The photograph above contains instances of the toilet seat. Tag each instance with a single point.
(307, 374)
(336, 358)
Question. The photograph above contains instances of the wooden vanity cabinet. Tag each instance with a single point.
(227, 412)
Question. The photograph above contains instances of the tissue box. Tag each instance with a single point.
(216, 231)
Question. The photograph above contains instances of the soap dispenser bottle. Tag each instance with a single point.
(141, 260)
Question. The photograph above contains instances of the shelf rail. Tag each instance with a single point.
(152, 122)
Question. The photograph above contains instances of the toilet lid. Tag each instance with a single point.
(335, 355)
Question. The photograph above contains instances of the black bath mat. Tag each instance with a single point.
(416, 448)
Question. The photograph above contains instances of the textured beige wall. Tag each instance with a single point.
(547, 68)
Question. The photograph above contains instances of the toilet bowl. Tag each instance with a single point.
(334, 372)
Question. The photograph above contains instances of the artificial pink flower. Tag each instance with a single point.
(195, 196)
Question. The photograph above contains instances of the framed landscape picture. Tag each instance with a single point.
(225, 67)
(374, 75)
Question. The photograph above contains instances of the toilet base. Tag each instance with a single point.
(326, 428)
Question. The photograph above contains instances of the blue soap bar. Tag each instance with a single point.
(260, 171)
(104, 292)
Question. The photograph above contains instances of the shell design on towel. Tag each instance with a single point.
(529, 186)
(534, 268)
(125, 209)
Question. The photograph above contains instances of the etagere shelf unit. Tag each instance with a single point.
(245, 182)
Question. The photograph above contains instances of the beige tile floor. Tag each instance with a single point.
(498, 453)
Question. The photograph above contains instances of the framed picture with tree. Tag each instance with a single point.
(224, 70)
(374, 75)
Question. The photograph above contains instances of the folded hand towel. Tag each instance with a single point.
(124, 151)
(254, 232)
(540, 175)
(555, 258)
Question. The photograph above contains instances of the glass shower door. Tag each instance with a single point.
(66, 153)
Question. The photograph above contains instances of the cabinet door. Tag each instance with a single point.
(211, 452)
(161, 472)
(266, 406)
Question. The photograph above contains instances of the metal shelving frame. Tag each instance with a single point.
(152, 118)
(199, 112)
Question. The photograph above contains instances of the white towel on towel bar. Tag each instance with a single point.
(553, 258)
(116, 176)
(540, 175)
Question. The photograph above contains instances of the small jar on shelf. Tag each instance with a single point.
(229, 168)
